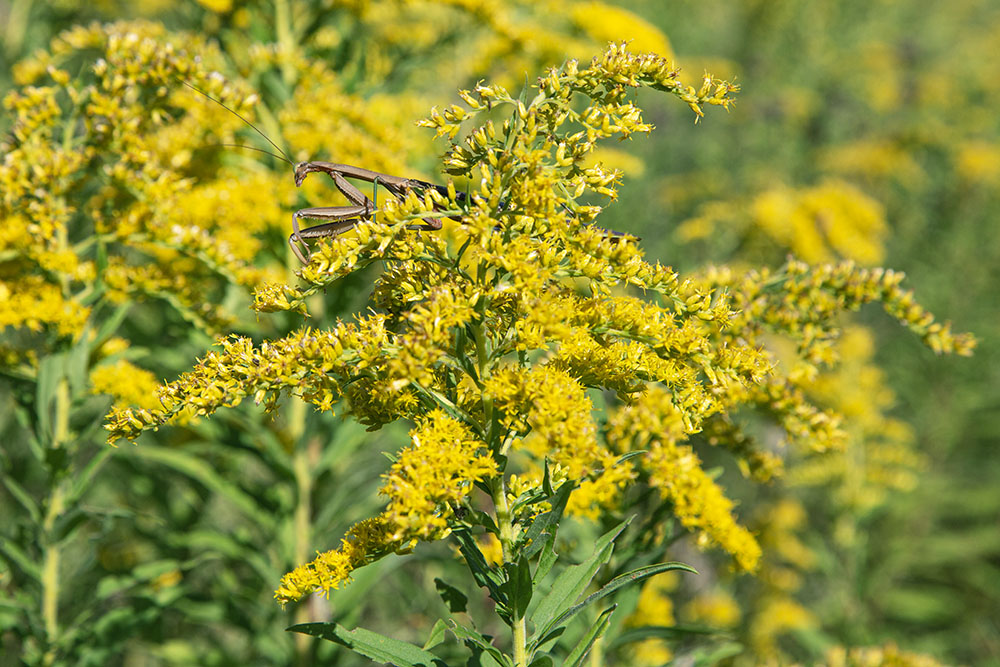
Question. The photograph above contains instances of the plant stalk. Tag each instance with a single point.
(51, 551)
(505, 522)
(302, 518)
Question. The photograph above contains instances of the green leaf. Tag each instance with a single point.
(599, 627)
(542, 661)
(716, 654)
(622, 580)
(518, 586)
(454, 598)
(77, 362)
(547, 559)
(83, 478)
(571, 583)
(13, 553)
(630, 455)
(670, 632)
(110, 324)
(481, 571)
(67, 523)
(481, 658)
(437, 634)
(549, 520)
(22, 497)
(371, 645)
(449, 407)
(472, 637)
(50, 371)
(202, 472)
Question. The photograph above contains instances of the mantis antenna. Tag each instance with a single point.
(283, 156)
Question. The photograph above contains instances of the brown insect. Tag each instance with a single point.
(336, 220)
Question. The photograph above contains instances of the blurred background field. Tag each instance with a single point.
(864, 130)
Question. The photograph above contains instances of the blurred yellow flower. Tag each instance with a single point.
(608, 23)
(978, 162)
(128, 384)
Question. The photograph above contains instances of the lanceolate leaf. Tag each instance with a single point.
(573, 581)
(480, 569)
(547, 522)
(372, 645)
(620, 581)
(518, 586)
(473, 638)
(580, 651)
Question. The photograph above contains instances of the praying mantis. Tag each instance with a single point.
(343, 218)
(336, 220)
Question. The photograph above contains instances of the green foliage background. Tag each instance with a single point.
(175, 548)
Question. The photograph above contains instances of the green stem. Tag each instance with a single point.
(482, 365)
(301, 468)
(51, 551)
(286, 39)
(505, 522)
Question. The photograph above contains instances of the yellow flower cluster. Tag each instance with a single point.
(801, 301)
(365, 542)
(76, 221)
(878, 457)
(433, 476)
(424, 486)
(654, 424)
(823, 223)
(499, 325)
(126, 383)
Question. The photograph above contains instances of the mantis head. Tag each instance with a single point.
(302, 169)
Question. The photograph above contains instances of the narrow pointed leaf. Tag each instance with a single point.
(600, 626)
(620, 581)
(22, 497)
(372, 645)
(480, 569)
(518, 586)
(547, 559)
(547, 522)
(12, 553)
(571, 583)
(473, 638)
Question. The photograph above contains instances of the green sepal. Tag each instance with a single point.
(371, 645)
